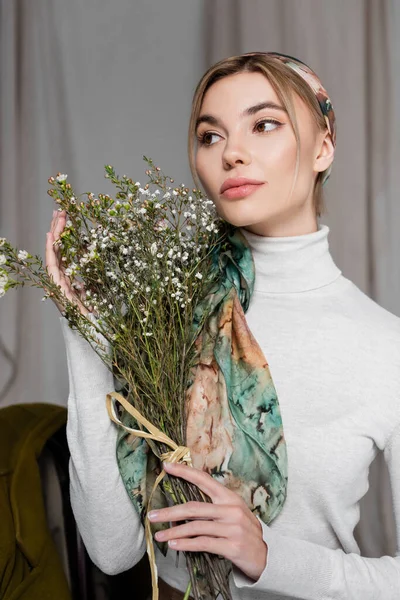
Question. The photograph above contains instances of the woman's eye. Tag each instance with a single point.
(268, 121)
(202, 138)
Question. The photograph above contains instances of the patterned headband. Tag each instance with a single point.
(320, 92)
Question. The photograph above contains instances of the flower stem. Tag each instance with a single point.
(187, 593)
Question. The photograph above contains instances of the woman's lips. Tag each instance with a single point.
(241, 191)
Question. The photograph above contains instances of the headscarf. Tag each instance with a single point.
(234, 425)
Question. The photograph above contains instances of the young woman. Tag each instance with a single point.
(334, 356)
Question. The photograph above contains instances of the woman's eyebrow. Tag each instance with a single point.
(251, 110)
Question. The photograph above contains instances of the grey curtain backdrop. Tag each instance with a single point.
(89, 83)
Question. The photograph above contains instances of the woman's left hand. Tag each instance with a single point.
(226, 527)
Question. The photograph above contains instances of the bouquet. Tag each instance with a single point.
(142, 262)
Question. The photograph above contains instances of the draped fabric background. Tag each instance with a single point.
(85, 84)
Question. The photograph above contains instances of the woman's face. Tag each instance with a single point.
(259, 145)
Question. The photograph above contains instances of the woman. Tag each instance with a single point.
(334, 356)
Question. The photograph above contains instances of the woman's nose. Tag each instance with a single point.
(234, 153)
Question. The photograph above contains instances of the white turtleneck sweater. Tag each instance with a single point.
(334, 356)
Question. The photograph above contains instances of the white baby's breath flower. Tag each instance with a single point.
(3, 259)
(3, 279)
(2, 242)
(61, 177)
(199, 275)
(2, 292)
(153, 249)
(22, 255)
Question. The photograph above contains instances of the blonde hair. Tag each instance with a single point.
(284, 80)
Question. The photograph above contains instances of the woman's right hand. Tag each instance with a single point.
(54, 265)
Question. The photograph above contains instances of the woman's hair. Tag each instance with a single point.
(284, 80)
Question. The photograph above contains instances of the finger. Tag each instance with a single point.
(51, 260)
(53, 266)
(214, 489)
(54, 220)
(219, 546)
(211, 528)
(59, 225)
(56, 228)
(198, 510)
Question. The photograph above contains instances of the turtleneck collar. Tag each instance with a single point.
(294, 263)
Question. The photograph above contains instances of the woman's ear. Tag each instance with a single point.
(326, 152)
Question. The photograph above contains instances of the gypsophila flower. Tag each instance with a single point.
(139, 262)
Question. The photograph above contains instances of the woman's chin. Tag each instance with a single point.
(242, 213)
(238, 218)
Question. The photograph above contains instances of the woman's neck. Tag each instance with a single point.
(292, 264)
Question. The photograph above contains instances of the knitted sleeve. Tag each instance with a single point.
(305, 570)
(108, 523)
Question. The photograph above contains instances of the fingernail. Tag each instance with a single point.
(153, 515)
(172, 542)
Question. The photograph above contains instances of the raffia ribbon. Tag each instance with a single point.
(178, 454)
